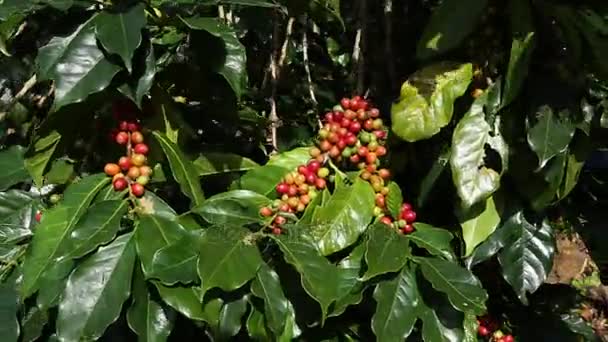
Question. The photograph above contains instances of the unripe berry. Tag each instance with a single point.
(333, 138)
(377, 124)
(145, 170)
(137, 137)
(314, 152)
(324, 133)
(361, 115)
(366, 175)
(137, 189)
(385, 191)
(292, 191)
(143, 180)
(401, 223)
(370, 158)
(293, 202)
(138, 159)
(55, 198)
(120, 184)
(301, 207)
(325, 145)
(141, 149)
(323, 172)
(350, 115)
(303, 189)
(378, 211)
(133, 172)
(370, 168)
(372, 146)
(124, 163)
(289, 179)
(305, 199)
(334, 152)
(111, 169)
(284, 207)
(381, 151)
(300, 179)
(122, 138)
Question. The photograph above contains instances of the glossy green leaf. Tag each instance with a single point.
(319, 278)
(350, 285)
(12, 164)
(120, 33)
(550, 135)
(17, 212)
(98, 226)
(177, 262)
(460, 285)
(227, 258)
(528, 260)
(478, 225)
(438, 323)
(183, 170)
(96, 291)
(151, 204)
(451, 22)
(148, 319)
(429, 181)
(230, 317)
(214, 163)
(142, 79)
(422, 111)
(55, 228)
(32, 324)
(386, 251)
(394, 199)
(263, 179)
(234, 69)
(9, 304)
(184, 300)
(291, 159)
(267, 286)
(256, 327)
(76, 65)
(237, 207)
(521, 53)
(152, 233)
(501, 237)
(346, 215)
(396, 305)
(61, 172)
(435, 240)
(475, 181)
(39, 155)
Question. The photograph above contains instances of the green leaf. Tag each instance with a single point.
(39, 155)
(256, 327)
(76, 65)
(394, 199)
(54, 230)
(263, 179)
(422, 110)
(61, 172)
(478, 224)
(230, 317)
(475, 181)
(227, 258)
(17, 211)
(387, 251)
(141, 80)
(32, 324)
(527, 261)
(396, 305)
(521, 53)
(350, 285)
(214, 163)
(451, 22)
(177, 262)
(147, 318)
(120, 33)
(267, 286)
(104, 279)
(234, 69)
(9, 304)
(237, 207)
(98, 226)
(184, 300)
(429, 181)
(435, 240)
(319, 278)
(12, 165)
(151, 204)
(550, 135)
(183, 170)
(339, 222)
(441, 322)
(290, 160)
(152, 233)
(462, 288)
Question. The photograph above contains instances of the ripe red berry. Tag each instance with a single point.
(124, 163)
(282, 188)
(355, 159)
(374, 112)
(122, 138)
(384, 173)
(483, 331)
(320, 183)
(409, 216)
(141, 149)
(406, 207)
(123, 126)
(363, 151)
(137, 189)
(38, 216)
(345, 123)
(303, 170)
(345, 103)
(338, 116)
(341, 144)
(120, 184)
(380, 134)
(368, 125)
(329, 117)
(276, 231)
(313, 166)
(292, 191)
(381, 151)
(508, 338)
(371, 158)
(408, 228)
(137, 137)
(111, 169)
(386, 220)
(133, 127)
(380, 200)
(355, 127)
(311, 178)
(280, 220)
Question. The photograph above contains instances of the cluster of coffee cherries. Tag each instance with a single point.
(488, 328)
(297, 189)
(131, 170)
(405, 222)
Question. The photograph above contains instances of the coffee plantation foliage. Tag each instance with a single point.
(309, 170)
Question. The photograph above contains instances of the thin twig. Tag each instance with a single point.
(360, 42)
(311, 89)
(27, 86)
(288, 32)
(388, 28)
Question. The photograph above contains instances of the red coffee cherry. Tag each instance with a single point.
(137, 189)
(124, 163)
(120, 184)
(141, 149)
(137, 137)
(122, 138)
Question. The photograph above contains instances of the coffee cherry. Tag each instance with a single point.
(141, 149)
(386, 220)
(137, 137)
(38, 216)
(384, 173)
(138, 159)
(303, 170)
(366, 175)
(345, 123)
(377, 124)
(409, 216)
(378, 212)
(282, 188)
(133, 172)
(324, 133)
(145, 170)
(345, 103)
(368, 125)
(381, 151)
(111, 169)
(371, 158)
(374, 113)
(133, 127)
(299, 179)
(408, 229)
(276, 231)
(301, 207)
(406, 207)
(483, 331)
(143, 180)
(350, 115)
(120, 184)
(320, 183)
(303, 189)
(323, 172)
(372, 146)
(355, 127)
(305, 199)
(401, 224)
(284, 207)
(334, 152)
(370, 168)
(293, 202)
(355, 159)
(338, 116)
(314, 152)
(351, 140)
(123, 125)
(380, 134)
(380, 201)
(124, 163)
(311, 178)
(341, 144)
(363, 151)
(280, 220)
(313, 166)
(508, 338)
(122, 138)
(137, 189)
(325, 145)
(292, 191)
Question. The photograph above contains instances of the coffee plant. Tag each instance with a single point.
(313, 170)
